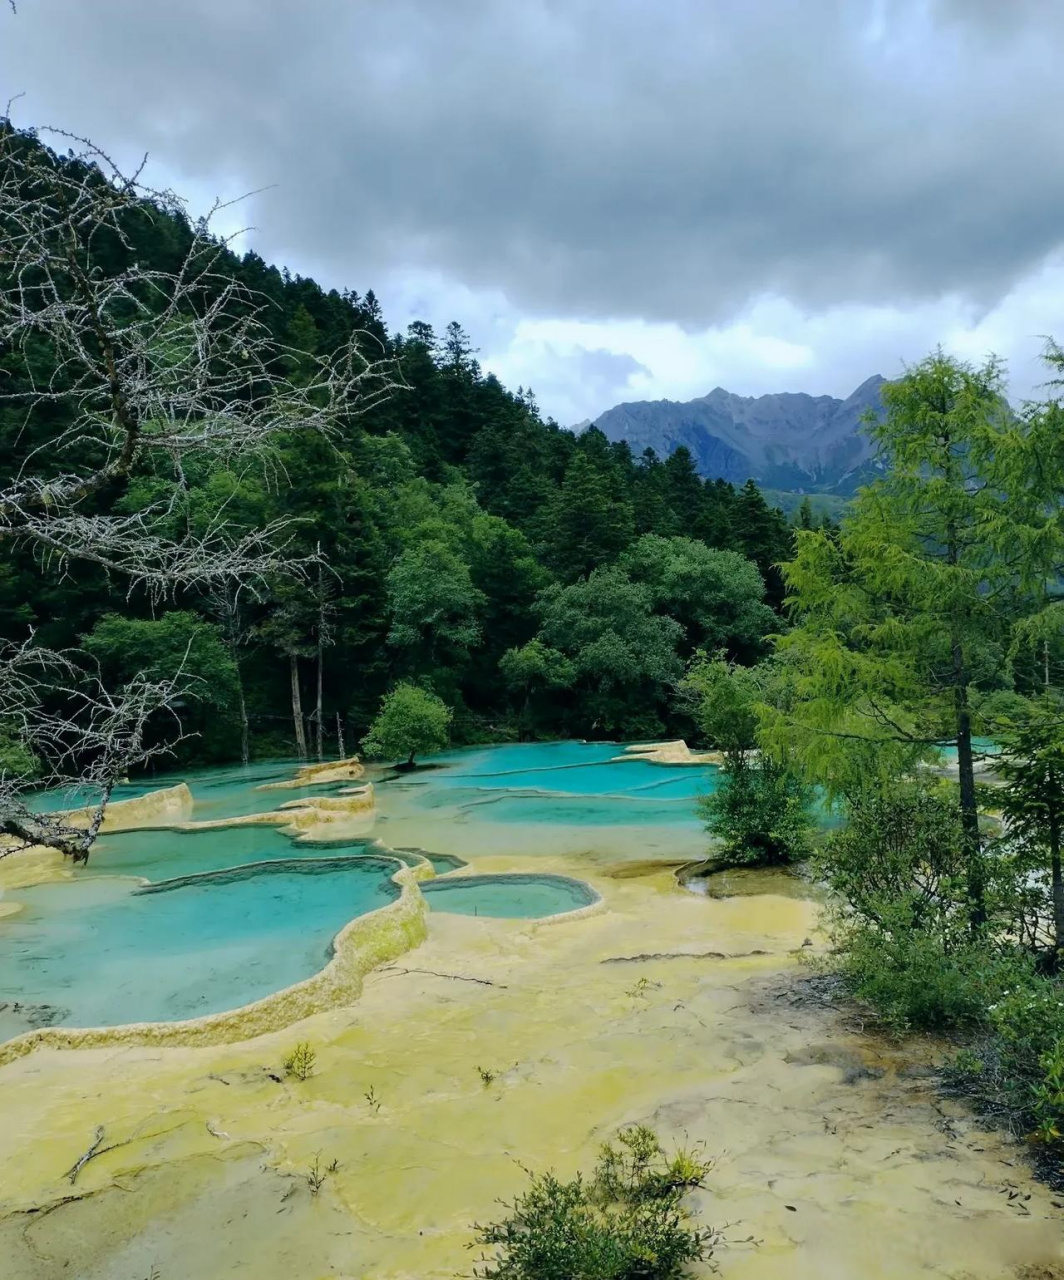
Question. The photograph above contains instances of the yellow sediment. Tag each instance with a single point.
(656, 1006)
(307, 775)
(675, 752)
(155, 808)
(834, 1169)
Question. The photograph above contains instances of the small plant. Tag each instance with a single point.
(688, 1167)
(316, 1175)
(300, 1062)
(626, 1221)
(641, 988)
(487, 1075)
(372, 1100)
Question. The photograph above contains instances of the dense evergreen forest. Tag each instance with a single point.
(540, 582)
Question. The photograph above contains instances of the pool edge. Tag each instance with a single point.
(361, 945)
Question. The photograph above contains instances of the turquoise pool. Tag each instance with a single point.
(557, 784)
(101, 951)
(230, 915)
(512, 897)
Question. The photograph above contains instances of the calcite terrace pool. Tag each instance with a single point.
(179, 922)
(475, 1046)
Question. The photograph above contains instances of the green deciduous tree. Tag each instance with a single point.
(716, 596)
(624, 656)
(411, 721)
(179, 641)
(759, 810)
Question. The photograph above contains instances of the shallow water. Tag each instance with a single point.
(98, 950)
(102, 951)
(509, 897)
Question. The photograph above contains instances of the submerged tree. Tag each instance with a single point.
(411, 721)
(122, 370)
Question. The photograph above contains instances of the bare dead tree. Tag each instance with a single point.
(147, 370)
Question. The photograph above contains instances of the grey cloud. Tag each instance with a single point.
(670, 159)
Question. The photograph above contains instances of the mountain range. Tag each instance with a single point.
(790, 441)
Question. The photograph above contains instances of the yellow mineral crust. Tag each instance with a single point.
(688, 1014)
(835, 1156)
(349, 770)
(675, 752)
(160, 808)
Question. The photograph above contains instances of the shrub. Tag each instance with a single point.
(627, 1222)
(898, 862)
(914, 981)
(759, 812)
(300, 1062)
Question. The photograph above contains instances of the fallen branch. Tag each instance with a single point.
(82, 1161)
(683, 955)
(454, 977)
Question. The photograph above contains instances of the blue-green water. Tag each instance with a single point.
(100, 952)
(513, 897)
(560, 784)
(231, 915)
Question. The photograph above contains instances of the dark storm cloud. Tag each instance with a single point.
(664, 159)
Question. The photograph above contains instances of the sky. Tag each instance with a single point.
(617, 199)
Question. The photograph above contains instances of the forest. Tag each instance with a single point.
(541, 583)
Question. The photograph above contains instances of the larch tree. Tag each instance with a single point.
(904, 618)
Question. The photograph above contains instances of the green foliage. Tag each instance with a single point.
(627, 1222)
(453, 520)
(180, 644)
(724, 700)
(300, 1062)
(914, 982)
(759, 813)
(906, 617)
(623, 656)
(411, 722)
(1032, 802)
(898, 862)
(16, 760)
(716, 596)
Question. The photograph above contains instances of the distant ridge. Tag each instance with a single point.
(789, 441)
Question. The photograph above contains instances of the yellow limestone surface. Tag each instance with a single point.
(306, 775)
(162, 807)
(675, 752)
(681, 1012)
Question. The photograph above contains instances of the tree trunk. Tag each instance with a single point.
(968, 802)
(245, 751)
(297, 708)
(1058, 882)
(339, 736)
(320, 724)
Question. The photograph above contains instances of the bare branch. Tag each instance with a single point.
(148, 373)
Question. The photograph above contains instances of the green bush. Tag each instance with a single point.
(914, 982)
(759, 813)
(627, 1222)
(897, 863)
